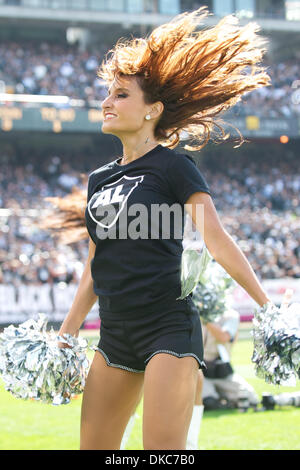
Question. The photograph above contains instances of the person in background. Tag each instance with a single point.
(222, 387)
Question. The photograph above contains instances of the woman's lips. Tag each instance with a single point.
(109, 116)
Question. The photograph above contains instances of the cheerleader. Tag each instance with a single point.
(176, 79)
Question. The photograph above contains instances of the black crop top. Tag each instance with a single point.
(137, 261)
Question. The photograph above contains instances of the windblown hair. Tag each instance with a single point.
(196, 74)
(67, 220)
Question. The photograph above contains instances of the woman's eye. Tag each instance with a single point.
(118, 95)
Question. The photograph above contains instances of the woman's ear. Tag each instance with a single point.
(157, 109)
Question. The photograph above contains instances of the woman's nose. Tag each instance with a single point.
(105, 103)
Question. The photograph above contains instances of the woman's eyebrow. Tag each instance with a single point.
(116, 89)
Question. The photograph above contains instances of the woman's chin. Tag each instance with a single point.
(107, 129)
(113, 130)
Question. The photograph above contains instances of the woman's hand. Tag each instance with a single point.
(63, 331)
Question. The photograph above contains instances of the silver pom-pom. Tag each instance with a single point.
(33, 366)
(193, 265)
(276, 333)
(210, 296)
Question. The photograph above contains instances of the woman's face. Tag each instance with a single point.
(126, 104)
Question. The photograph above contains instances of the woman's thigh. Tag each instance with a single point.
(169, 394)
(110, 397)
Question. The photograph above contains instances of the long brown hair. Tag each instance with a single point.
(66, 221)
(196, 74)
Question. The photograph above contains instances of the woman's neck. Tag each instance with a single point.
(134, 150)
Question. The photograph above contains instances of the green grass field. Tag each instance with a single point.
(32, 425)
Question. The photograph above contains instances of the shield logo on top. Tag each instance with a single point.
(106, 205)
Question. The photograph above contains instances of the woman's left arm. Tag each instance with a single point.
(222, 247)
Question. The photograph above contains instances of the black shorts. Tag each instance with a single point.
(130, 344)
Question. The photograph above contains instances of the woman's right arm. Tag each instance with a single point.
(84, 299)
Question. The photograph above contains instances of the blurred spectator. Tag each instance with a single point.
(222, 387)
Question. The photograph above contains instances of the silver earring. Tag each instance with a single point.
(148, 117)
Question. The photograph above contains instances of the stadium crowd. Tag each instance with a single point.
(257, 199)
(51, 69)
(281, 99)
(56, 69)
